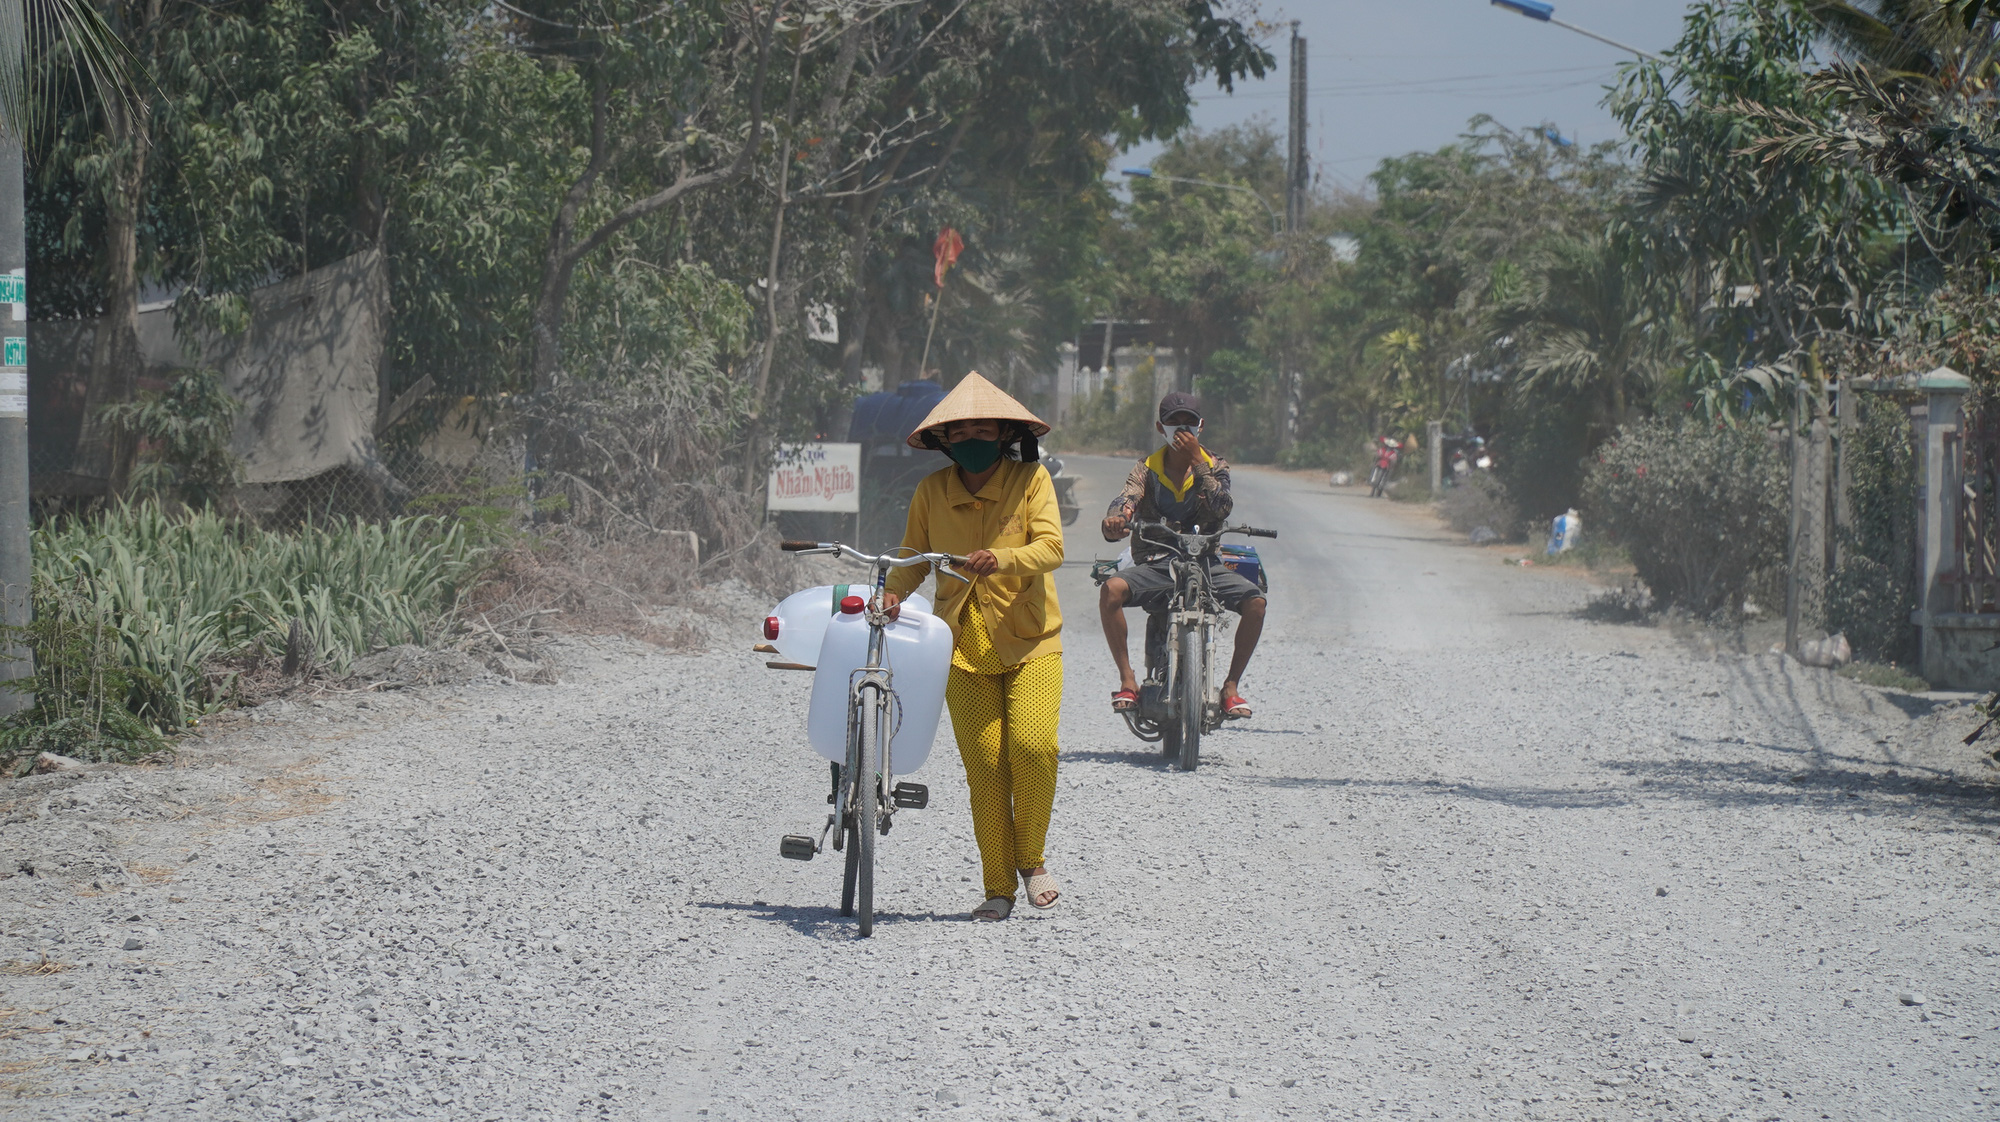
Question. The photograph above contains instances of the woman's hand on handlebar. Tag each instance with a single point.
(892, 604)
(980, 563)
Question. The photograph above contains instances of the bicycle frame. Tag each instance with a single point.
(875, 677)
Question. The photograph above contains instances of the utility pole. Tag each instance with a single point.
(16, 560)
(1297, 179)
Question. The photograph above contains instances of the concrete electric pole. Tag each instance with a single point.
(1298, 179)
(16, 562)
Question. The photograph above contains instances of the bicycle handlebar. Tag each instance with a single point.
(936, 560)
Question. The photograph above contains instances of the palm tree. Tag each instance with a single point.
(1582, 323)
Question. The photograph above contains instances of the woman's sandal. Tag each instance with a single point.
(995, 909)
(1121, 700)
(1040, 884)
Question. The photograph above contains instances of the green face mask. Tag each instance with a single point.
(974, 456)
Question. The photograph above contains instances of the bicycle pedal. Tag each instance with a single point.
(911, 796)
(797, 847)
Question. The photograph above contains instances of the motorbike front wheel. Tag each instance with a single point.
(1193, 691)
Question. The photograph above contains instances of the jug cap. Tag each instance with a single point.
(852, 604)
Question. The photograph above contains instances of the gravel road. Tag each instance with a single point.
(1473, 858)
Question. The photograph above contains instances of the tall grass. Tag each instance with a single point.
(135, 609)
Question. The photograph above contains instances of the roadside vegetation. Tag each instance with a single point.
(643, 244)
(146, 620)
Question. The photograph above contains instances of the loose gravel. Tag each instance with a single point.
(1473, 858)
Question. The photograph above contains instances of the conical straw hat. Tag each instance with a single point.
(973, 399)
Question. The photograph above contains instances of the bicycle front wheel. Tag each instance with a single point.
(851, 875)
(1193, 690)
(867, 807)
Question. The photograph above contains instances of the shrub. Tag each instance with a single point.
(1480, 501)
(1700, 510)
(190, 423)
(135, 608)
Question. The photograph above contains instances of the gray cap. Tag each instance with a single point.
(1178, 402)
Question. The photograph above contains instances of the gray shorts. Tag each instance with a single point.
(1151, 586)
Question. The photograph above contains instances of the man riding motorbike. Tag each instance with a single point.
(1183, 485)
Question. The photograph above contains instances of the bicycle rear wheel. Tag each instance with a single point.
(1193, 690)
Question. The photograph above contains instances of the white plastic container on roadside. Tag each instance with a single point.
(917, 649)
(802, 618)
(1564, 532)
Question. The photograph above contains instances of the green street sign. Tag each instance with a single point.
(16, 351)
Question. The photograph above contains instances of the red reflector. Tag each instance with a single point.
(771, 628)
(852, 604)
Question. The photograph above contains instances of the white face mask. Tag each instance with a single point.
(1175, 430)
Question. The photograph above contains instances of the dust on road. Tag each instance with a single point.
(1474, 857)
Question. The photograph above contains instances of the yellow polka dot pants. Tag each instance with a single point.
(1006, 726)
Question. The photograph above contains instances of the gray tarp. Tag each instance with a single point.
(305, 371)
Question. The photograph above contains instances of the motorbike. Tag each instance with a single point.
(1385, 466)
(1179, 699)
(1066, 504)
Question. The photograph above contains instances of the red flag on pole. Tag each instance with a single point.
(946, 249)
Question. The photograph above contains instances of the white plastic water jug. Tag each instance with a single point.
(917, 650)
(1564, 532)
(801, 618)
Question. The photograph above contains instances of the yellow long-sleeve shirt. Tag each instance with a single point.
(1014, 515)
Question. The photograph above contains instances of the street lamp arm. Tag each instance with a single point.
(1647, 55)
(1148, 173)
(1546, 13)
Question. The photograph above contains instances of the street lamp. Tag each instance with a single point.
(1537, 10)
(1149, 173)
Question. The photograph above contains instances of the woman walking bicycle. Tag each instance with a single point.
(996, 507)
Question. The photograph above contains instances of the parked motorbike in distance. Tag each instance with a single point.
(1465, 454)
(1388, 451)
(1065, 489)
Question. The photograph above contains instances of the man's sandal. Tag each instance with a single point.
(1234, 707)
(1121, 700)
(995, 909)
(1039, 885)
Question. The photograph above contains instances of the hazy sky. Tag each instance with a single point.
(1395, 76)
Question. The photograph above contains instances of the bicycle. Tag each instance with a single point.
(860, 812)
(1179, 700)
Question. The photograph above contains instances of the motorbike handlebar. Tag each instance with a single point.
(1161, 528)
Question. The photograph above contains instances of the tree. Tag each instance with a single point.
(1764, 256)
(1582, 321)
